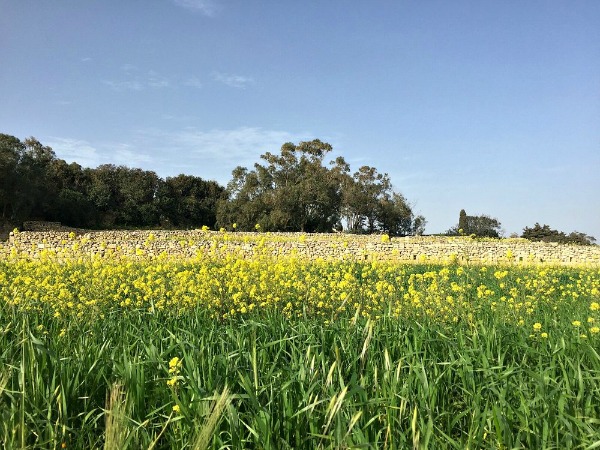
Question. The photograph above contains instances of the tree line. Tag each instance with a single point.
(294, 190)
(486, 226)
(36, 185)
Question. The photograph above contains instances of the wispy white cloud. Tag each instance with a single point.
(128, 85)
(132, 78)
(129, 68)
(137, 81)
(211, 154)
(130, 156)
(207, 7)
(236, 81)
(75, 150)
(193, 82)
(157, 81)
(150, 80)
(92, 155)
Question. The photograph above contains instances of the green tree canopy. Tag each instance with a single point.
(543, 233)
(291, 191)
(36, 185)
(188, 201)
(482, 226)
(295, 191)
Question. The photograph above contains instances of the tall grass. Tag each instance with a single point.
(299, 384)
(267, 380)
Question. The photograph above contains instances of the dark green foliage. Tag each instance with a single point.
(35, 185)
(11, 154)
(481, 226)
(462, 220)
(291, 191)
(295, 191)
(186, 201)
(544, 233)
(26, 188)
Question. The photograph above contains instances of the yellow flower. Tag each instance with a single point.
(576, 323)
(537, 326)
(595, 330)
(174, 366)
(172, 381)
(595, 306)
(544, 335)
(176, 409)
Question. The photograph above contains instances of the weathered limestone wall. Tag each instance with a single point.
(327, 246)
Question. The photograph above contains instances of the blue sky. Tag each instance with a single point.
(490, 106)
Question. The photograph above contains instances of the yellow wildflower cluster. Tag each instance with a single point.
(229, 284)
(174, 370)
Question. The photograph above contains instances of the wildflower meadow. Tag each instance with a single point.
(221, 351)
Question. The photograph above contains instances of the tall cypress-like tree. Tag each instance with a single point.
(462, 220)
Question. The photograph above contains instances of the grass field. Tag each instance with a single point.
(224, 352)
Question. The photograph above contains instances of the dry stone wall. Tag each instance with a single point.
(326, 246)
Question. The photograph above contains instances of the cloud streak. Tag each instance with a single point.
(235, 81)
(193, 82)
(210, 154)
(136, 81)
(75, 150)
(92, 155)
(205, 7)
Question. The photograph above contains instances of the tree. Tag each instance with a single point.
(370, 205)
(291, 191)
(34, 184)
(137, 192)
(481, 226)
(462, 221)
(11, 154)
(363, 197)
(243, 202)
(295, 191)
(395, 217)
(72, 205)
(34, 191)
(543, 233)
(124, 197)
(189, 201)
